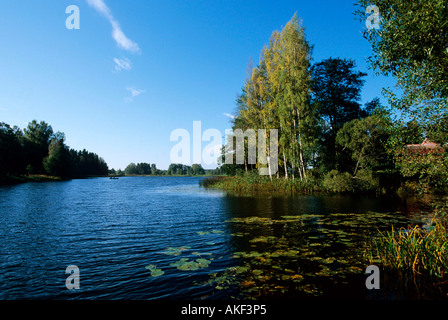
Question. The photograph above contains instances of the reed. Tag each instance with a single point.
(417, 250)
(251, 183)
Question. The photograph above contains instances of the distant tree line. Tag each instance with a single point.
(142, 169)
(37, 149)
(173, 169)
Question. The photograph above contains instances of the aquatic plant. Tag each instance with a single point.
(251, 183)
(417, 250)
(170, 251)
(154, 271)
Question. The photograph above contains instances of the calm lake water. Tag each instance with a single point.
(169, 238)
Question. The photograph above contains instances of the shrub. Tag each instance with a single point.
(335, 181)
(365, 181)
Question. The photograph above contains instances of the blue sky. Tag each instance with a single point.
(136, 70)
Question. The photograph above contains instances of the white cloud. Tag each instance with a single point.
(134, 93)
(122, 64)
(117, 34)
(228, 115)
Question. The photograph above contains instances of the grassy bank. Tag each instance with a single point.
(13, 179)
(332, 183)
(260, 185)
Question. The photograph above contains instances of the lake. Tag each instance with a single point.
(169, 238)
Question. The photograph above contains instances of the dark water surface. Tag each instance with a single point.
(209, 245)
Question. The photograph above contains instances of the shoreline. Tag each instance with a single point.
(10, 180)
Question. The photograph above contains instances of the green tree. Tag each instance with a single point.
(366, 140)
(153, 169)
(276, 96)
(336, 94)
(296, 115)
(197, 169)
(37, 140)
(131, 168)
(411, 45)
(11, 151)
(58, 161)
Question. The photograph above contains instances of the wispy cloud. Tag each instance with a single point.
(117, 34)
(134, 93)
(122, 64)
(228, 115)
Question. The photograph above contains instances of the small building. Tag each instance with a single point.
(425, 147)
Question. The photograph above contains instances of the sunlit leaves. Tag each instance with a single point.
(412, 46)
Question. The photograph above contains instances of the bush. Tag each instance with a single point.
(335, 181)
(365, 181)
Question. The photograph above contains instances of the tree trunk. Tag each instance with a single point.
(285, 164)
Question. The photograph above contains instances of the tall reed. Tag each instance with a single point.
(416, 250)
(251, 183)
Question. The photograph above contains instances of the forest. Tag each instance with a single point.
(328, 140)
(38, 150)
(174, 169)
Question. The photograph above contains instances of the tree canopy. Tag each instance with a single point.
(38, 150)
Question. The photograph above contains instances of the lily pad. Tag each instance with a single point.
(257, 272)
(170, 251)
(189, 266)
(185, 264)
(203, 263)
(157, 273)
(180, 262)
(151, 267)
(154, 271)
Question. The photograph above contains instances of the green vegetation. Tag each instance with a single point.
(416, 250)
(174, 169)
(411, 46)
(36, 153)
(327, 141)
(253, 183)
(419, 250)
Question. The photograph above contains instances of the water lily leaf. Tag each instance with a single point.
(151, 267)
(182, 261)
(257, 272)
(203, 263)
(217, 231)
(157, 273)
(170, 251)
(241, 269)
(188, 266)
